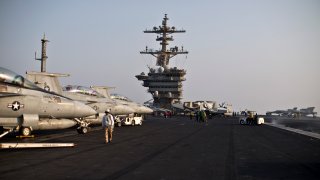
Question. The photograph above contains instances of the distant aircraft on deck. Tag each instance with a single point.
(295, 112)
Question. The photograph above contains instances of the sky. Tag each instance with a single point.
(260, 55)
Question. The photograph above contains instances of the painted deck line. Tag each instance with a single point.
(299, 131)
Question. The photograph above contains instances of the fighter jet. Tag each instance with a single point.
(138, 108)
(98, 102)
(308, 111)
(50, 82)
(25, 107)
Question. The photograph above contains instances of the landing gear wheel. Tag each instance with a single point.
(140, 123)
(25, 131)
(82, 130)
(242, 122)
(133, 123)
(119, 124)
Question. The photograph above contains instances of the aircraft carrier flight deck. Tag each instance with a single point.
(168, 148)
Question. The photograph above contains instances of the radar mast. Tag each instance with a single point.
(44, 56)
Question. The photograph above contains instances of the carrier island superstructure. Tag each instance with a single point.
(164, 82)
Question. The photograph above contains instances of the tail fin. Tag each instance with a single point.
(46, 81)
(104, 90)
(311, 109)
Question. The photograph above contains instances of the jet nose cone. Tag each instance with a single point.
(148, 110)
(145, 110)
(122, 110)
(82, 110)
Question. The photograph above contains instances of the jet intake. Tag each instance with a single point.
(30, 120)
(3, 88)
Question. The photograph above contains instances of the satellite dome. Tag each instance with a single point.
(161, 69)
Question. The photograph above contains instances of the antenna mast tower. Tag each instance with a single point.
(44, 56)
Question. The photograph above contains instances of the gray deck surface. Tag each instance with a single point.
(173, 148)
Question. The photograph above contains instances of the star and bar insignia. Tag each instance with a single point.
(16, 105)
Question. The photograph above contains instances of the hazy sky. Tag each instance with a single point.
(256, 54)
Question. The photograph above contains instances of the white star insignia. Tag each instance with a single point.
(15, 106)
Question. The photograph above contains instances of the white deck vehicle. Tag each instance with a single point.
(136, 120)
(251, 118)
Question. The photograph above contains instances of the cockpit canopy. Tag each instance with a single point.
(120, 97)
(12, 78)
(82, 90)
